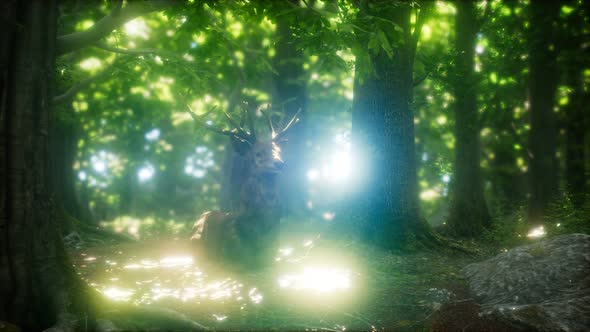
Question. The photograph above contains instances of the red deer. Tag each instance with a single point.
(250, 230)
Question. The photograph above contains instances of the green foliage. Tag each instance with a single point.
(565, 218)
(216, 54)
(508, 230)
(515, 229)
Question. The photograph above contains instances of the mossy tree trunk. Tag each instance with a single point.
(38, 286)
(469, 212)
(383, 136)
(543, 78)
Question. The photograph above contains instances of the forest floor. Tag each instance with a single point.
(314, 283)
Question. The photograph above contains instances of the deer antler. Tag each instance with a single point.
(293, 121)
(236, 133)
(271, 127)
(238, 127)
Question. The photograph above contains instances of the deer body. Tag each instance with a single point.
(250, 230)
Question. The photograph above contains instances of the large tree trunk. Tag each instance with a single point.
(542, 84)
(291, 96)
(383, 138)
(36, 280)
(469, 212)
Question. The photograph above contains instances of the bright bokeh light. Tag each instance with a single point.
(146, 173)
(117, 294)
(153, 134)
(166, 262)
(82, 176)
(286, 251)
(328, 215)
(537, 232)
(137, 28)
(102, 165)
(429, 194)
(322, 280)
(90, 64)
(196, 165)
(446, 178)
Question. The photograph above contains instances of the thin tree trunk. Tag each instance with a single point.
(291, 96)
(576, 134)
(542, 84)
(469, 212)
(383, 138)
(37, 283)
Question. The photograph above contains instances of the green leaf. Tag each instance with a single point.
(385, 45)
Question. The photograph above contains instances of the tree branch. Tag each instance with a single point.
(118, 16)
(138, 51)
(80, 85)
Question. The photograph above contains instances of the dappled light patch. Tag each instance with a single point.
(317, 279)
(174, 276)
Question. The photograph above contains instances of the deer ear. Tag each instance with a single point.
(240, 146)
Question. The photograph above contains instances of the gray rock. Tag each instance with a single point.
(543, 286)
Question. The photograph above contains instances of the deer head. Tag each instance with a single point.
(264, 155)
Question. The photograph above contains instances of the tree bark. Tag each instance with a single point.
(38, 286)
(291, 96)
(383, 139)
(542, 87)
(469, 212)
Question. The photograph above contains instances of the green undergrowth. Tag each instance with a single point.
(514, 229)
